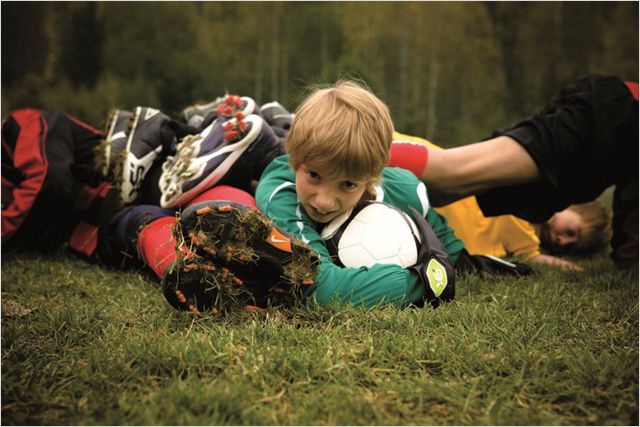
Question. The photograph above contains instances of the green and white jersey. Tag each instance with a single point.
(276, 197)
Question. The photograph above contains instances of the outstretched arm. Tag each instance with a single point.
(455, 173)
(557, 262)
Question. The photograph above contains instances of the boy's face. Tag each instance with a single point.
(562, 230)
(323, 197)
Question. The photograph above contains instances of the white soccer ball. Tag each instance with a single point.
(377, 234)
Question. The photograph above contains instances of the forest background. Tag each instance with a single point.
(449, 71)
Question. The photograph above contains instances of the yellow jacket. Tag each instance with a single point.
(500, 236)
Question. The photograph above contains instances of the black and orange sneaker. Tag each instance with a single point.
(232, 256)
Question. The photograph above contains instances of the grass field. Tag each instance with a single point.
(103, 347)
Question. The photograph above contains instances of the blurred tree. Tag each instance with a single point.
(449, 71)
(81, 43)
(619, 34)
(24, 45)
(508, 21)
(156, 41)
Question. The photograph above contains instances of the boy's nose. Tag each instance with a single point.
(563, 240)
(324, 202)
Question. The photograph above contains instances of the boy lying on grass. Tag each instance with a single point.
(337, 150)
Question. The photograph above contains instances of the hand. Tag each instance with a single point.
(557, 262)
(489, 264)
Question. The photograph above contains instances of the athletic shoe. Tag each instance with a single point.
(194, 115)
(231, 106)
(276, 115)
(203, 160)
(148, 135)
(233, 256)
(226, 107)
(114, 143)
(247, 170)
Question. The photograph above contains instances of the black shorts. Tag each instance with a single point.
(583, 141)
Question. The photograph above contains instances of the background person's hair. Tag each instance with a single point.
(596, 226)
(342, 129)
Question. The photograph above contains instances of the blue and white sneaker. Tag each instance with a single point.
(146, 139)
(115, 141)
(203, 160)
(226, 107)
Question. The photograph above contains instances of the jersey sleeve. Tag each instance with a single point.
(520, 239)
(380, 284)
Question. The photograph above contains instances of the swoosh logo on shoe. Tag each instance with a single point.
(279, 240)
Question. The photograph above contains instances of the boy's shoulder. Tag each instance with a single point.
(279, 166)
(397, 179)
(277, 175)
(401, 188)
(277, 171)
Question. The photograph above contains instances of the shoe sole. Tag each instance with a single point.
(238, 258)
(200, 286)
(186, 166)
(201, 111)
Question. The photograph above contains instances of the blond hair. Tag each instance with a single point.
(342, 129)
(596, 226)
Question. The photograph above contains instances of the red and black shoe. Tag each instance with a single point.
(232, 256)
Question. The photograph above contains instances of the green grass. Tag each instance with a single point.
(103, 347)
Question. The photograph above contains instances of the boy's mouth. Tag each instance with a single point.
(319, 216)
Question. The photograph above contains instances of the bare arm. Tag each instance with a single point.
(558, 262)
(471, 169)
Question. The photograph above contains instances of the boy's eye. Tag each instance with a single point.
(348, 185)
(314, 176)
(572, 232)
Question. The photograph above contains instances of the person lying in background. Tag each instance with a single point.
(579, 229)
(584, 141)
